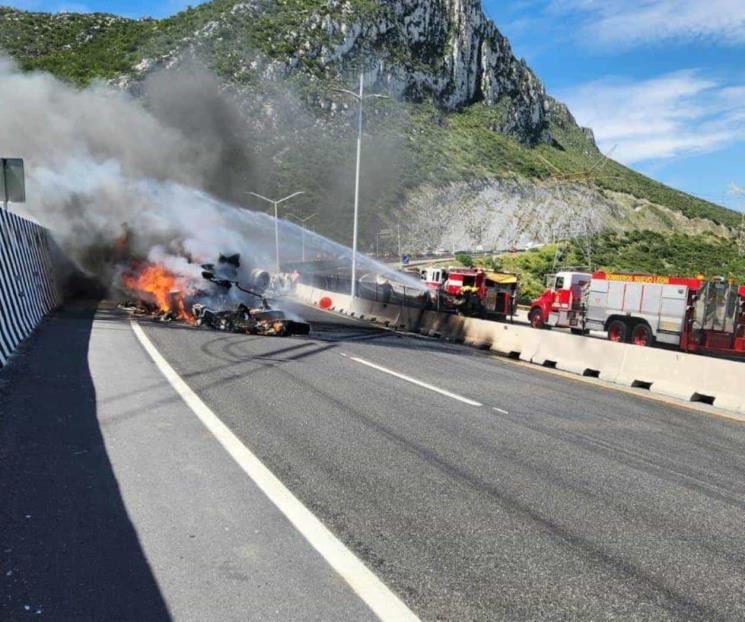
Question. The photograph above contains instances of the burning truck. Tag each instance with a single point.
(220, 301)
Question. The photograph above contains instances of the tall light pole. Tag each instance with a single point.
(360, 97)
(276, 203)
(302, 222)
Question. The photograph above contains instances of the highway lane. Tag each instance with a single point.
(552, 499)
(118, 504)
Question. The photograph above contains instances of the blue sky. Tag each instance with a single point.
(128, 8)
(662, 82)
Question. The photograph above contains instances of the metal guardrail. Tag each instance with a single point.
(29, 284)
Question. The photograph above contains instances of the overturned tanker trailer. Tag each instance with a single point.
(262, 320)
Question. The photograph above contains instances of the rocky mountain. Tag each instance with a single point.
(444, 52)
(468, 150)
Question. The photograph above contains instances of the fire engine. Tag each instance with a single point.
(715, 324)
(472, 291)
(561, 304)
(694, 314)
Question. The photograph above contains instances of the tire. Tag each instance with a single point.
(618, 331)
(642, 335)
(536, 319)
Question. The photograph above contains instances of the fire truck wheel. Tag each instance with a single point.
(618, 331)
(642, 335)
(536, 319)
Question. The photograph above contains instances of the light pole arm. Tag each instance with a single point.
(263, 198)
(278, 201)
(346, 92)
(292, 196)
(275, 204)
(302, 221)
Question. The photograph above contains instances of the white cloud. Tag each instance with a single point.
(671, 115)
(634, 22)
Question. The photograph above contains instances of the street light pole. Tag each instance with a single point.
(276, 235)
(360, 97)
(275, 204)
(357, 185)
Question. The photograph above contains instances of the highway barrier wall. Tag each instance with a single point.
(29, 286)
(684, 376)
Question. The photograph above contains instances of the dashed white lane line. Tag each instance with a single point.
(419, 383)
(381, 600)
(500, 410)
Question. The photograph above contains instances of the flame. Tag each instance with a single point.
(160, 286)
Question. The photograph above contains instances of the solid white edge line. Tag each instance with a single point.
(419, 383)
(381, 600)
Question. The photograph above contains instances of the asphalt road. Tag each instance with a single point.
(118, 505)
(510, 494)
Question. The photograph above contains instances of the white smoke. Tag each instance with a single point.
(101, 167)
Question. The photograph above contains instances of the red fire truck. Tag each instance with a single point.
(473, 291)
(561, 303)
(691, 313)
(715, 324)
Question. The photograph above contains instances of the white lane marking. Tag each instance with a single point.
(419, 383)
(500, 410)
(383, 602)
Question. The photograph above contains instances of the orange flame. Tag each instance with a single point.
(159, 286)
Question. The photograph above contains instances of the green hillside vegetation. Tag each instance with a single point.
(644, 252)
(451, 147)
(74, 47)
(437, 147)
(82, 47)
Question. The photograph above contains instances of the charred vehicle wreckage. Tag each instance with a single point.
(223, 303)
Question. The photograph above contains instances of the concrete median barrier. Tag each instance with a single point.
(477, 333)
(379, 312)
(580, 355)
(659, 371)
(687, 376)
(502, 337)
(684, 376)
(387, 314)
(331, 301)
(447, 325)
(410, 318)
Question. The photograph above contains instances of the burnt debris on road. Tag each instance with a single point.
(222, 303)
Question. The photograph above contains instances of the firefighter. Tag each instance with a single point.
(470, 298)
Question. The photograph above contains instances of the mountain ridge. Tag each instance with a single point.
(469, 112)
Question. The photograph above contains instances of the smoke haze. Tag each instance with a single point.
(102, 167)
